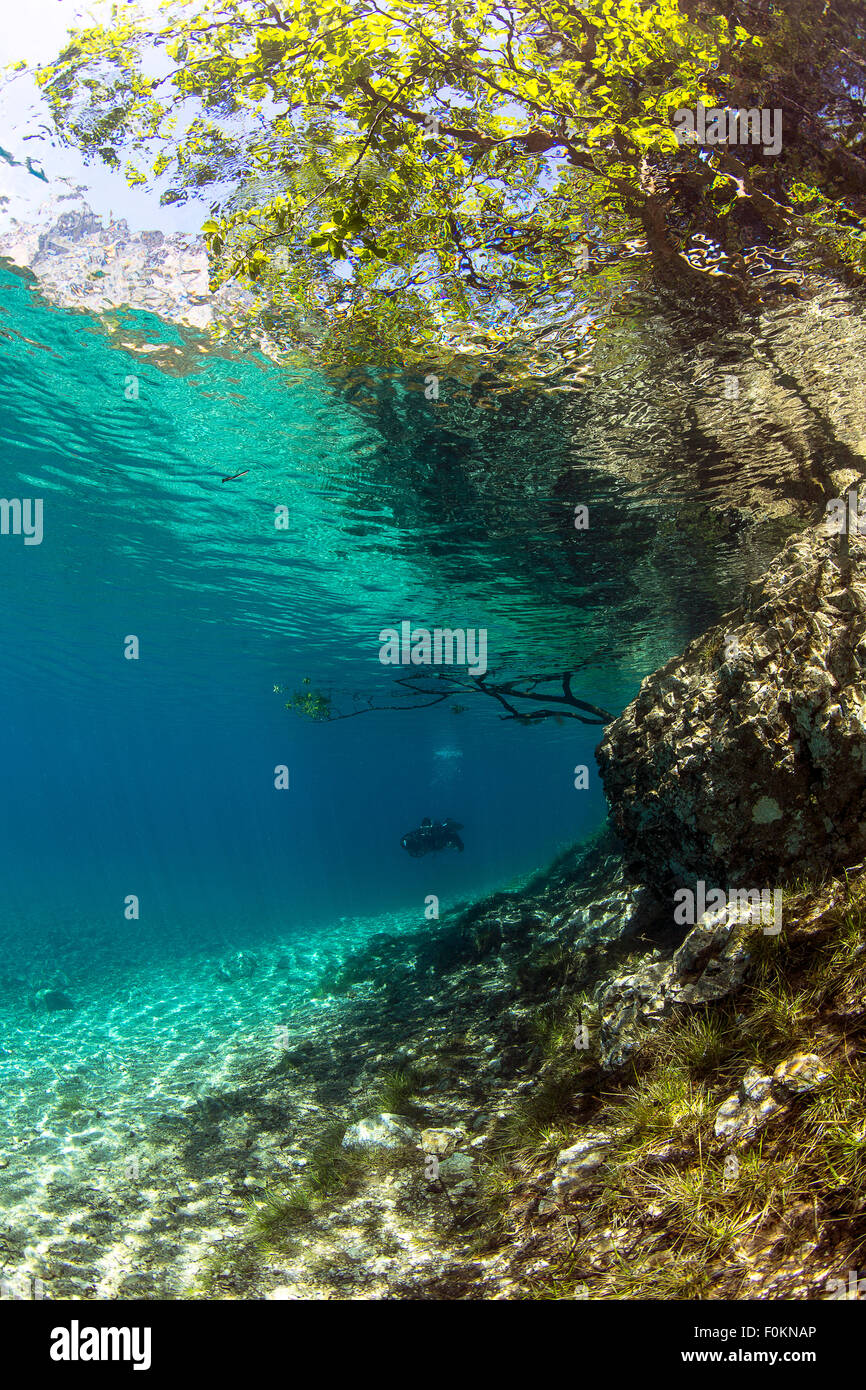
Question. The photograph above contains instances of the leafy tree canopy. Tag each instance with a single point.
(409, 181)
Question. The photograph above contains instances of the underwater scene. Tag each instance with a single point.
(433, 641)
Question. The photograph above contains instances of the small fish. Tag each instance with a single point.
(231, 477)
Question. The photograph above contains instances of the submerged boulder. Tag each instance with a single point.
(577, 1166)
(457, 1174)
(760, 1097)
(748, 1110)
(240, 966)
(709, 964)
(745, 757)
(380, 1132)
(442, 1142)
(801, 1074)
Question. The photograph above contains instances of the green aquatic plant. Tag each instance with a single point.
(542, 1124)
(497, 1182)
(279, 1211)
(331, 1173)
(707, 1040)
(313, 704)
(331, 1168)
(556, 1029)
(397, 1089)
(781, 1014)
(228, 1268)
(666, 1103)
(708, 650)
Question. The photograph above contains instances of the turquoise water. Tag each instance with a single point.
(154, 777)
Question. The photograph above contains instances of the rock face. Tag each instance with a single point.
(745, 757)
(82, 264)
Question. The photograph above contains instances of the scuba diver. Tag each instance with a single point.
(431, 837)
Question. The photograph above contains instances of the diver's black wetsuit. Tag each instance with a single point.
(432, 837)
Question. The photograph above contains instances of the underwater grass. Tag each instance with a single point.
(226, 1269)
(330, 1170)
(278, 1212)
(553, 1028)
(331, 1176)
(694, 1227)
(396, 1091)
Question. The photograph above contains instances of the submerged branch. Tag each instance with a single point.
(446, 684)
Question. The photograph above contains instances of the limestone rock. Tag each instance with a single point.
(756, 765)
(743, 1114)
(760, 1096)
(755, 1086)
(240, 966)
(667, 1153)
(712, 961)
(380, 1132)
(630, 1004)
(457, 1173)
(709, 964)
(53, 999)
(440, 1141)
(577, 1165)
(800, 1074)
